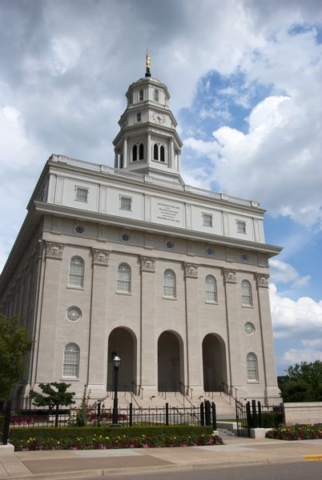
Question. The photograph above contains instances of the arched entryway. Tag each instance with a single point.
(122, 342)
(170, 364)
(214, 362)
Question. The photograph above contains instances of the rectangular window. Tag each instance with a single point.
(207, 220)
(126, 203)
(156, 95)
(141, 95)
(81, 194)
(241, 227)
(138, 117)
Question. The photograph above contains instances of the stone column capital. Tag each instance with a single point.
(148, 264)
(229, 275)
(191, 270)
(100, 257)
(262, 280)
(54, 250)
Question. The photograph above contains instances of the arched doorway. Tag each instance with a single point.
(123, 343)
(170, 371)
(214, 363)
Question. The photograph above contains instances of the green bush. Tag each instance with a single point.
(85, 438)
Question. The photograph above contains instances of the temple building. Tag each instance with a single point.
(131, 260)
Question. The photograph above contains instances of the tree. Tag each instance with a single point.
(53, 396)
(303, 383)
(14, 345)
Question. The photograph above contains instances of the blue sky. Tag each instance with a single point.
(245, 84)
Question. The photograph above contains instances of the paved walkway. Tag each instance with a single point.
(64, 464)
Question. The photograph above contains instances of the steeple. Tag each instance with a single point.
(147, 65)
(148, 142)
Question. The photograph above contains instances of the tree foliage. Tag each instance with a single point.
(53, 396)
(14, 345)
(303, 383)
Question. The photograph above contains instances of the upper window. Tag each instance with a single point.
(207, 220)
(156, 95)
(76, 272)
(169, 284)
(241, 226)
(138, 117)
(126, 203)
(141, 95)
(138, 152)
(81, 194)
(252, 367)
(158, 152)
(211, 289)
(71, 361)
(246, 291)
(124, 278)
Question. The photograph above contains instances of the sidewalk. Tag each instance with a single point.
(69, 464)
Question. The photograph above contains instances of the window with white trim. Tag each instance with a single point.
(126, 203)
(81, 194)
(141, 95)
(252, 367)
(246, 292)
(76, 272)
(169, 284)
(211, 289)
(71, 361)
(241, 226)
(124, 278)
(156, 95)
(207, 219)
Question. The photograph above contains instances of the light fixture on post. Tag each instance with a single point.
(116, 365)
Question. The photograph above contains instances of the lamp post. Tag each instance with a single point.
(116, 365)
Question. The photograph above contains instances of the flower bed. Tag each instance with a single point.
(296, 432)
(88, 438)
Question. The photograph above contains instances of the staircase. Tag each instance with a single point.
(225, 404)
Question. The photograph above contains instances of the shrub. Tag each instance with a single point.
(86, 438)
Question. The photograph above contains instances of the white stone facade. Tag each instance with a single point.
(131, 260)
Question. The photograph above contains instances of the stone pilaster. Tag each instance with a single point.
(233, 303)
(147, 359)
(48, 320)
(270, 375)
(97, 351)
(193, 359)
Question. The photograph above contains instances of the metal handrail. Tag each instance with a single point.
(132, 396)
(138, 389)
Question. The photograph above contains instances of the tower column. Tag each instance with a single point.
(148, 149)
(171, 154)
(125, 158)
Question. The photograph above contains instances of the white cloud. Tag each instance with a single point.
(295, 355)
(295, 318)
(285, 273)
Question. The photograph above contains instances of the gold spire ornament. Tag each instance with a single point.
(147, 65)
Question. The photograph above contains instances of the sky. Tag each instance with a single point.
(245, 78)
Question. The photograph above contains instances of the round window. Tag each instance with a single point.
(79, 230)
(249, 328)
(74, 314)
(125, 237)
(169, 245)
(209, 251)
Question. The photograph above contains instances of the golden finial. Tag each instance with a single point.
(147, 65)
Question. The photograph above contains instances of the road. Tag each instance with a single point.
(282, 471)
